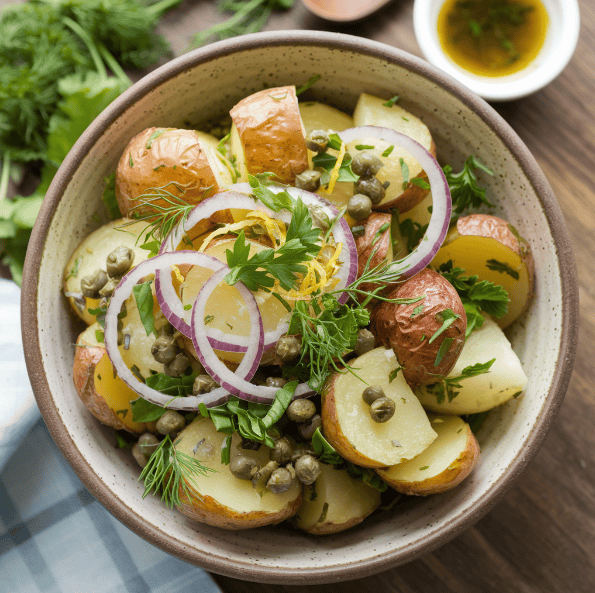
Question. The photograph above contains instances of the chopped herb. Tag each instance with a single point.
(446, 387)
(392, 101)
(475, 420)
(313, 493)
(152, 247)
(122, 442)
(388, 151)
(497, 266)
(130, 161)
(323, 514)
(99, 314)
(393, 374)
(327, 162)
(444, 347)
(403, 400)
(421, 469)
(208, 319)
(99, 336)
(153, 137)
(464, 191)
(363, 147)
(158, 167)
(420, 183)
(312, 80)
(75, 268)
(417, 310)
(405, 118)
(448, 317)
(278, 99)
(143, 295)
(358, 231)
(404, 172)
(413, 232)
(221, 146)
(517, 394)
(136, 372)
(187, 307)
(122, 413)
(175, 386)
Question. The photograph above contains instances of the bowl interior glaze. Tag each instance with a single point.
(205, 84)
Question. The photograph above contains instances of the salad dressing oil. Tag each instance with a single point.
(492, 37)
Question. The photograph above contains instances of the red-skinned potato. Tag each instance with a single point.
(268, 134)
(176, 160)
(412, 330)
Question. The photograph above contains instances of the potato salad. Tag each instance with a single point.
(297, 313)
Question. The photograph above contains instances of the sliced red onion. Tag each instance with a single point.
(423, 254)
(218, 396)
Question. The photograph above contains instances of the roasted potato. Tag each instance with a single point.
(375, 242)
(427, 336)
(91, 255)
(505, 379)
(335, 502)
(442, 466)
(267, 134)
(371, 111)
(221, 499)
(318, 116)
(104, 394)
(492, 249)
(170, 160)
(346, 420)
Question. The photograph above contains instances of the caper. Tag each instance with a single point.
(282, 451)
(326, 254)
(139, 456)
(302, 448)
(280, 481)
(148, 443)
(370, 186)
(289, 347)
(203, 384)
(277, 382)
(243, 467)
(177, 366)
(307, 469)
(118, 262)
(382, 409)
(307, 429)
(308, 180)
(320, 219)
(164, 349)
(365, 164)
(301, 410)
(91, 285)
(359, 206)
(317, 140)
(261, 477)
(109, 287)
(365, 341)
(170, 422)
(372, 393)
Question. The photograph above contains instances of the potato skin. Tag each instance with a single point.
(174, 157)
(270, 129)
(397, 327)
(369, 242)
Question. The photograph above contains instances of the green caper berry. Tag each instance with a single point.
(307, 429)
(365, 342)
(243, 467)
(289, 347)
(203, 384)
(277, 382)
(165, 349)
(359, 206)
(307, 469)
(280, 481)
(91, 285)
(261, 477)
(320, 220)
(365, 163)
(370, 186)
(148, 443)
(301, 410)
(317, 140)
(372, 393)
(382, 409)
(139, 456)
(109, 288)
(282, 451)
(118, 262)
(177, 366)
(308, 180)
(170, 422)
(301, 449)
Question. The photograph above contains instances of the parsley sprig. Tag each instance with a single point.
(464, 190)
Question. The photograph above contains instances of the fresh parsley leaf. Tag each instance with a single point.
(503, 268)
(99, 336)
(420, 183)
(448, 317)
(475, 420)
(413, 232)
(393, 374)
(404, 172)
(464, 189)
(145, 411)
(143, 295)
(274, 201)
(327, 162)
(175, 386)
(446, 388)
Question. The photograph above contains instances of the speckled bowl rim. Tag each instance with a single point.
(373, 564)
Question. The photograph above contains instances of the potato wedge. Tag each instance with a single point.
(268, 135)
(335, 502)
(176, 161)
(104, 394)
(492, 249)
(375, 242)
(442, 466)
(346, 420)
(371, 111)
(318, 116)
(90, 256)
(427, 336)
(222, 500)
(505, 379)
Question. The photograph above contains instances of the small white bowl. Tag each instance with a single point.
(560, 43)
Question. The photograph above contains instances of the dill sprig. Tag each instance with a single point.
(168, 469)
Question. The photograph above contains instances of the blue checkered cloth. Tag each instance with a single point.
(54, 536)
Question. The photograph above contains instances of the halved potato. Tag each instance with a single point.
(505, 379)
(177, 161)
(318, 116)
(492, 249)
(374, 245)
(222, 500)
(105, 395)
(90, 256)
(267, 134)
(442, 466)
(335, 502)
(346, 420)
(371, 111)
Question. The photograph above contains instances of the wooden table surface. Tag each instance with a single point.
(541, 537)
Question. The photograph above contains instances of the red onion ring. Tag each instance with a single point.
(423, 254)
(218, 396)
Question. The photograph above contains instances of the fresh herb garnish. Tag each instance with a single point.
(75, 268)
(445, 389)
(393, 374)
(413, 232)
(417, 310)
(444, 347)
(99, 336)
(122, 441)
(448, 317)
(327, 162)
(363, 147)
(388, 151)
(404, 172)
(143, 295)
(152, 138)
(503, 268)
(392, 101)
(475, 420)
(420, 183)
(464, 190)
(313, 79)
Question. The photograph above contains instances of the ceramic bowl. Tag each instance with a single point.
(207, 83)
(558, 48)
